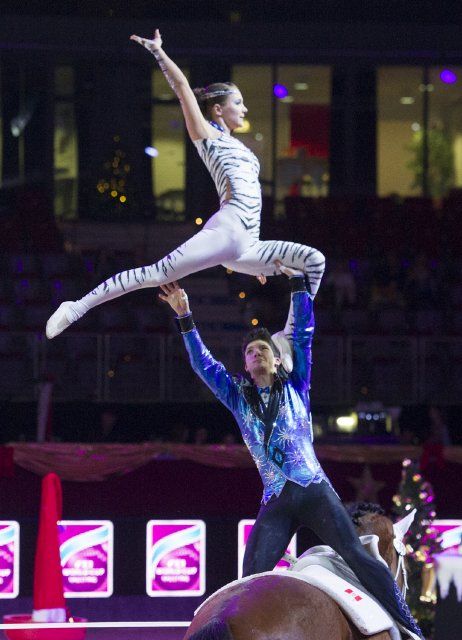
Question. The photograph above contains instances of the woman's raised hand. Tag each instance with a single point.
(151, 45)
(175, 297)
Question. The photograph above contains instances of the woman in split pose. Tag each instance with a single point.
(231, 236)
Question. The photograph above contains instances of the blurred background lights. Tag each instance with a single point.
(448, 77)
(245, 128)
(198, 221)
(254, 322)
(151, 151)
(407, 100)
(415, 126)
(280, 91)
(242, 295)
(347, 424)
(301, 86)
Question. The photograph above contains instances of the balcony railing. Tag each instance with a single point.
(154, 368)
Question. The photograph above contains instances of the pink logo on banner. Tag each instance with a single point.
(244, 529)
(450, 535)
(175, 558)
(9, 559)
(86, 549)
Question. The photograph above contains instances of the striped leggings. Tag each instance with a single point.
(222, 241)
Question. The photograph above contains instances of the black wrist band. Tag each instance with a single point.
(185, 323)
(297, 283)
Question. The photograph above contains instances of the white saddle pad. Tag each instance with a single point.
(358, 606)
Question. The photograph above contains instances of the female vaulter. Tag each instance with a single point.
(231, 236)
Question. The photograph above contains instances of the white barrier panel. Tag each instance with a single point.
(86, 548)
(130, 624)
(243, 532)
(175, 558)
(9, 559)
(84, 630)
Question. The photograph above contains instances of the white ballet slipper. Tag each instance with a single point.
(285, 349)
(59, 320)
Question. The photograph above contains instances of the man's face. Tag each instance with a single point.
(259, 358)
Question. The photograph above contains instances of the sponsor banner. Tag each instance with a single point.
(175, 558)
(244, 529)
(450, 534)
(9, 559)
(87, 550)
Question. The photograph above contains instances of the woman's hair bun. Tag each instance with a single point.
(199, 92)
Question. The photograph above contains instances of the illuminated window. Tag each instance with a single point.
(303, 130)
(254, 82)
(444, 130)
(168, 139)
(65, 145)
(399, 125)
(292, 103)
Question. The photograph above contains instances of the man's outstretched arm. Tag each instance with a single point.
(303, 328)
(211, 371)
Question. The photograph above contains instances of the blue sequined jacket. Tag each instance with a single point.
(288, 451)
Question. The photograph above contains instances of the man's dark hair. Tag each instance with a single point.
(359, 509)
(260, 334)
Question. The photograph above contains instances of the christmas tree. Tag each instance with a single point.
(115, 195)
(414, 492)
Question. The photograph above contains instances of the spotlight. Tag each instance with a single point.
(347, 424)
(244, 128)
(407, 100)
(448, 77)
(22, 119)
(280, 91)
(151, 151)
(19, 123)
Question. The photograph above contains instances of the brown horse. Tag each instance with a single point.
(279, 608)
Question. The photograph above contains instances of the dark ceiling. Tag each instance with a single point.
(252, 11)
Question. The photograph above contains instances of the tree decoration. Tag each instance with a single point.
(414, 492)
(113, 186)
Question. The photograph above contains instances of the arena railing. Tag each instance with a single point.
(134, 367)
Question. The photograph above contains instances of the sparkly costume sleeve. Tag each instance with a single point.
(212, 372)
(302, 336)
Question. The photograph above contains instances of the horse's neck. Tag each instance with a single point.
(391, 558)
(381, 526)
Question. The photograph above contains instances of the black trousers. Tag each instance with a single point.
(319, 508)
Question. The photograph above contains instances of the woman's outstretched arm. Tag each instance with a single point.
(196, 124)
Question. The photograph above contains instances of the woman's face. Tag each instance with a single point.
(232, 111)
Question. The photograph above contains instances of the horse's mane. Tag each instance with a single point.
(359, 509)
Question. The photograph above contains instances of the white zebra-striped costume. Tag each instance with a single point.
(230, 237)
